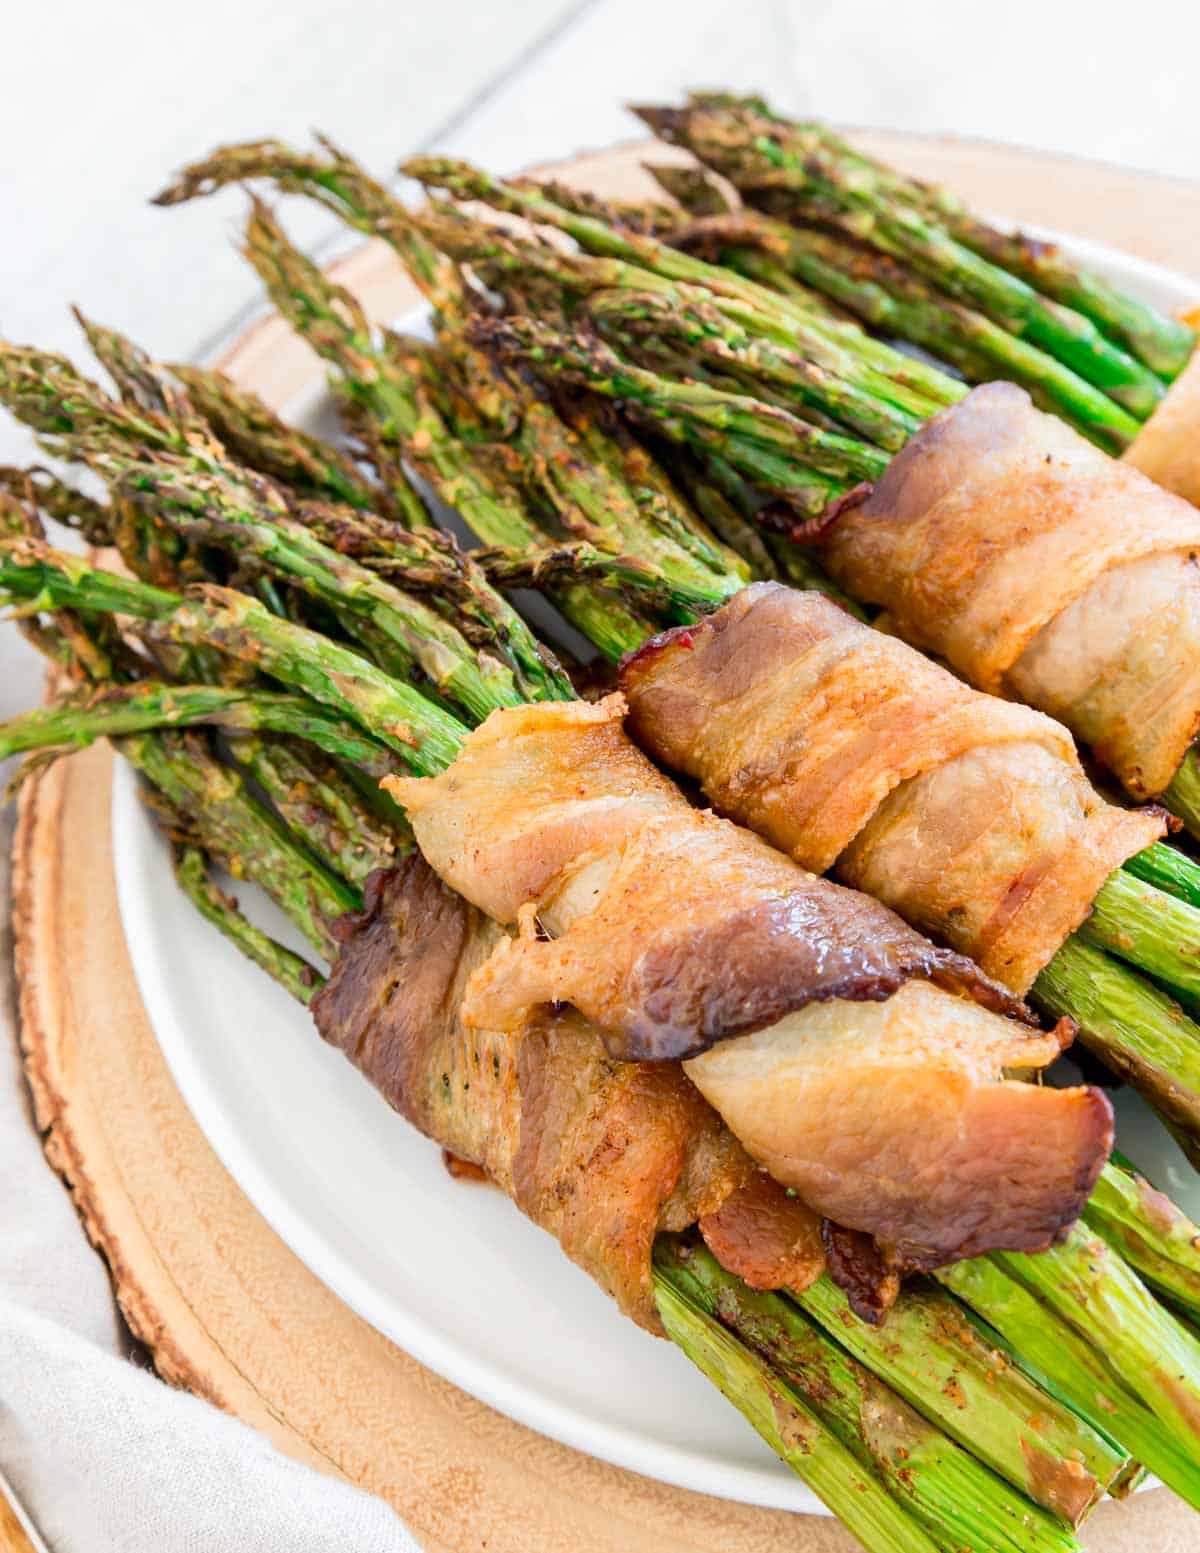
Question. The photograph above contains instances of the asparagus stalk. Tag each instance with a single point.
(426, 738)
(1133, 1027)
(218, 510)
(54, 498)
(1182, 796)
(77, 720)
(290, 970)
(1164, 344)
(895, 301)
(1150, 927)
(257, 437)
(765, 167)
(879, 368)
(343, 186)
(937, 1360)
(778, 1412)
(337, 181)
(580, 475)
(1169, 869)
(1153, 1235)
(1085, 1283)
(337, 328)
(544, 568)
(712, 500)
(770, 446)
(631, 316)
(317, 802)
(1073, 1369)
(229, 823)
(960, 1502)
(48, 394)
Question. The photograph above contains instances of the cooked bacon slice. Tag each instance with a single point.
(909, 1131)
(770, 1239)
(1168, 446)
(601, 1154)
(1004, 542)
(968, 815)
(875, 1057)
(675, 929)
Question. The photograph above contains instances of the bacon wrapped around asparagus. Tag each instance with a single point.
(603, 1154)
(968, 815)
(859, 1063)
(1041, 569)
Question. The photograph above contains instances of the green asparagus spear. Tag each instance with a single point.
(782, 1417)
(77, 720)
(1164, 344)
(228, 823)
(752, 436)
(1154, 1236)
(336, 326)
(1071, 1366)
(1182, 796)
(424, 736)
(290, 970)
(930, 1353)
(757, 157)
(317, 803)
(895, 377)
(630, 316)
(1133, 1027)
(1152, 929)
(219, 511)
(260, 439)
(959, 1501)
(1085, 1282)
(1168, 868)
(879, 290)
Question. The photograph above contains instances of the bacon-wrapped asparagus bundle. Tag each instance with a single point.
(1040, 569)
(817, 1023)
(968, 815)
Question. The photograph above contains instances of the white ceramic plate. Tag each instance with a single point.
(452, 1272)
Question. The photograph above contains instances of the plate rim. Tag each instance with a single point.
(623, 1447)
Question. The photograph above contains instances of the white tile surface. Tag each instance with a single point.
(99, 102)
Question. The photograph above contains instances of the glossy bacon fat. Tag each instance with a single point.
(1042, 569)
(679, 934)
(968, 815)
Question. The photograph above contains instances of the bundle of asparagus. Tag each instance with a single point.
(1128, 1019)
(373, 680)
(804, 173)
(871, 1426)
(727, 368)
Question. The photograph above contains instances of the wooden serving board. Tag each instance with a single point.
(226, 1309)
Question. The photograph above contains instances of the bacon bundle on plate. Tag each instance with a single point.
(1041, 569)
(968, 815)
(863, 1066)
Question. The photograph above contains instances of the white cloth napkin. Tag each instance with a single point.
(104, 1457)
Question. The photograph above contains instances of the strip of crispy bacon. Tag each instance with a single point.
(1040, 568)
(861, 1064)
(968, 815)
(604, 1155)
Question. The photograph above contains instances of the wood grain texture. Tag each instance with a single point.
(224, 1306)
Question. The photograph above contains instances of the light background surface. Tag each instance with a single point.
(98, 103)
